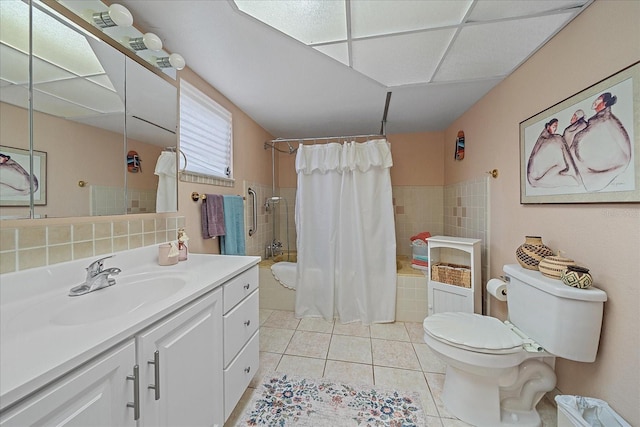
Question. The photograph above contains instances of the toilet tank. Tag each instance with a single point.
(566, 321)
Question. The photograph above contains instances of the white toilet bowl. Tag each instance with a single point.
(494, 377)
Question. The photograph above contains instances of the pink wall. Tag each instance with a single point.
(604, 237)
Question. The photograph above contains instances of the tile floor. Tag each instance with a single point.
(388, 355)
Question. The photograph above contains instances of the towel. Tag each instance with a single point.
(421, 236)
(418, 262)
(167, 193)
(232, 243)
(421, 258)
(212, 216)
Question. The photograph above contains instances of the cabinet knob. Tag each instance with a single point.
(156, 374)
(247, 286)
(247, 369)
(247, 323)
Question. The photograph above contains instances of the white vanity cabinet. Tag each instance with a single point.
(241, 344)
(181, 367)
(95, 394)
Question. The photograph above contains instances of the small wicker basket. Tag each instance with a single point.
(451, 274)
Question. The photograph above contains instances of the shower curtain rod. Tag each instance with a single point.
(267, 144)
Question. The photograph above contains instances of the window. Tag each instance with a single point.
(205, 134)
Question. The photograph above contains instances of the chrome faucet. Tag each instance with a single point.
(97, 278)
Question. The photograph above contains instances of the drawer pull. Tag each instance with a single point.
(156, 374)
(247, 323)
(247, 369)
(247, 286)
(136, 392)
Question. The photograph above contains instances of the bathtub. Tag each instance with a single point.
(411, 294)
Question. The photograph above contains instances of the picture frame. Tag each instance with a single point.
(14, 177)
(586, 148)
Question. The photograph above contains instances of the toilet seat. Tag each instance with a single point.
(473, 332)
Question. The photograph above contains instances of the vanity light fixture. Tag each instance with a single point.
(174, 60)
(115, 15)
(147, 41)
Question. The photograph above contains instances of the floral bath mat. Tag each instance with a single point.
(286, 400)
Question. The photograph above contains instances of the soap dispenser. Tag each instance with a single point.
(182, 245)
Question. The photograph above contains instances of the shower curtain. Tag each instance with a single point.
(345, 232)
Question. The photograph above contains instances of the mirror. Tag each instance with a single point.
(81, 114)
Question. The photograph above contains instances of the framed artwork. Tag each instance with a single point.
(586, 148)
(15, 180)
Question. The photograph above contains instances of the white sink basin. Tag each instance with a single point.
(130, 293)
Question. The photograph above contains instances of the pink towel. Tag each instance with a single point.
(421, 236)
(212, 216)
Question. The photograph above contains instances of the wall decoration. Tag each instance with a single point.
(459, 154)
(134, 162)
(15, 180)
(585, 149)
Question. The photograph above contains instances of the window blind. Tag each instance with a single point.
(205, 133)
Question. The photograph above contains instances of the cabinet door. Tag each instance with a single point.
(187, 366)
(94, 395)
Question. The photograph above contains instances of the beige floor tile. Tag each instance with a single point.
(268, 363)
(310, 344)
(274, 340)
(428, 360)
(416, 332)
(315, 325)
(355, 329)
(350, 349)
(394, 354)
(434, 422)
(241, 407)
(301, 366)
(436, 384)
(389, 331)
(548, 413)
(403, 379)
(264, 315)
(352, 373)
(282, 319)
(454, 422)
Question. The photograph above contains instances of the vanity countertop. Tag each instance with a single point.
(42, 331)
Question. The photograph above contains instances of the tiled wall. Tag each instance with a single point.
(417, 209)
(110, 201)
(31, 246)
(466, 214)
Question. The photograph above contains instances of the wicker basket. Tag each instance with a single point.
(451, 274)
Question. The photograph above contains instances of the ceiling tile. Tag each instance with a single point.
(487, 10)
(337, 51)
(495, 49)
(85, 93)
(310, 21)
(370, 18)
(404, 59)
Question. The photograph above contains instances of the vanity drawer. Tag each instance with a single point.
(238, 375)
(239, 325)
(236, 289)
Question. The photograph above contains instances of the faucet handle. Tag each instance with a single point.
(96, 266)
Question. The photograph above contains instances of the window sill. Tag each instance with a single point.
(186, 176)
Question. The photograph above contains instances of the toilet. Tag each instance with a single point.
(498, 371)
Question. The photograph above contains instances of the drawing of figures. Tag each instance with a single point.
(550, 164)
(578, 122)
(602, 150)
(14, 179)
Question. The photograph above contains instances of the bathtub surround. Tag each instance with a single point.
(346, 237)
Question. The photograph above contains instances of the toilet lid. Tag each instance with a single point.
(474, 332)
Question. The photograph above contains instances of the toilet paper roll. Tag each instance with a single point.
(498, 289)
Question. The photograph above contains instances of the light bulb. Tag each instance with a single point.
(174, 60)
(147, 41)
(116, 14)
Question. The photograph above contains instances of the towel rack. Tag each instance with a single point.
(253, 229)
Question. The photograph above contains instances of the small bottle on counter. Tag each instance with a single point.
(182, 245)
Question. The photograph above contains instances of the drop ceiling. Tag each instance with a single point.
(312, 69)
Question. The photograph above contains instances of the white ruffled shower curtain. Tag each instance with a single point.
(345, 232)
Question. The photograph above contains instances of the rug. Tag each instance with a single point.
(287, 400)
